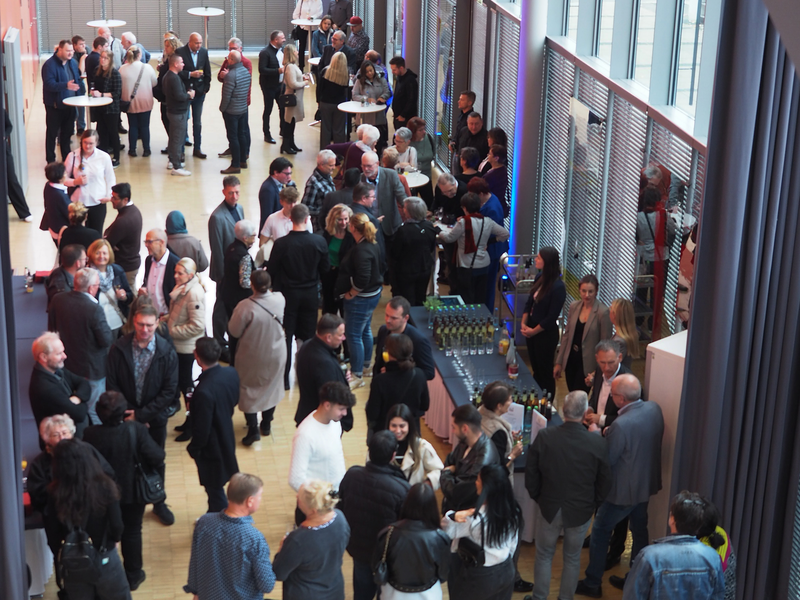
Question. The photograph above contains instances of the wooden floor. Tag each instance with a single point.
(166, 549)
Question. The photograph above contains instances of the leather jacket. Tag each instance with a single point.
(417, 556)
(458, 486)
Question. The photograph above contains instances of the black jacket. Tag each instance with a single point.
(459, 487)
(371, 498)
(412, 249)
(360, 269)
(232, 291)
(57, 282)
(611, 408)
(297, 262)
(417, 556)
(84, 330)
(546, 309)
(568, 470)
(361, 209)
(423, 355)
(316, 364)
(328, 52)
(269, 68)
(213, 444)
(78, 234)
(450, 206)
(49, 395)
(406, 93)
(202, 84)
(169, 274)
(160, 382)
(396, 387)
(115, 444)
(56, 209)
(268, 200)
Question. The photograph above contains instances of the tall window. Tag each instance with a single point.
(606, 30)
(691, 46)
(572, 20)
(645, 32)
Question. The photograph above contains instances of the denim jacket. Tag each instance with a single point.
(676, 566)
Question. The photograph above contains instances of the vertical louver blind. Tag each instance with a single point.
(366, 10)
(429, 63)
(61, 20)
(219, 28)
(256, 19)
(477, 63)
(446, 100)
(506, 97)
(140, 15)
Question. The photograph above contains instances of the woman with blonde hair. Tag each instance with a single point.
(114, 293)
(171, 44)
(309, 561)
(332, 90)
(108, 84)
(339, 241)
(138, 80)
(295, 81)
(624, 321)
(360, 280)
(77, 232)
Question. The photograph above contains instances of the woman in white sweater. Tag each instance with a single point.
(295, 82)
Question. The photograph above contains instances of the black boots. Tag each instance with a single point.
(253, 434)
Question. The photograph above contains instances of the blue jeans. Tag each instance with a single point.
(608, 515)
(236, 128)
(364, 587)
(139, 129)
(546, 539)
(358, 329)
(98, 387)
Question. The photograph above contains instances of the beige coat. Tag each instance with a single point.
(429, 466)
(187, 315)
(598, 327)
(260, 352)
(295, 84)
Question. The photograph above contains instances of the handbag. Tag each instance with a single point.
(296, 32)
(381, 573)
(124, 105)
(470, 553)
(148, 488)
(287, 100)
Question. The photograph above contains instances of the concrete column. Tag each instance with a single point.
(525, 178)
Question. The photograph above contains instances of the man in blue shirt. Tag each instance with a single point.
(230, 557)
(61, 79)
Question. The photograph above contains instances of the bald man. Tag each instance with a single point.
(198, 68)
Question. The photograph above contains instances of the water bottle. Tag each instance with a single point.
(526, 427)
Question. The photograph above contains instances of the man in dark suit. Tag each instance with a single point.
(568, 475)
(398, 311)
(280, 175)
(389, 192)
(602, 411)
(159, 270)
(317, 364)
(297, 262)
(338, 45)
(634, 452)
(196, 76)
(149, 394)
(270, 76)
(78, 317)
(447, 197)
(55, 390)
(221, 235)
(213, 446)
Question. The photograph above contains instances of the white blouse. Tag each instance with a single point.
(471, 528)
(100, 175)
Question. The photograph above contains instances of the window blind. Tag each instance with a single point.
(219, 28)
(256, 19)
(445, 99)
(61, 20)
(506, 97)
(477, 63)
(145, 18)
(428, 65)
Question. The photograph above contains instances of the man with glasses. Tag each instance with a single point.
(62, 278)
(143, 367)
(634, 451)
(280, 176)
(159, 270)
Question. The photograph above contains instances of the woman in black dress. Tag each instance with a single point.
(108, 84)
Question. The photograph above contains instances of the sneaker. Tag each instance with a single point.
(165, 151)
(132, 153)
(115, 163)
(163, 513)
(357, 382)
(169, 165)
(181, 172)
(28, 219)
(587, 590)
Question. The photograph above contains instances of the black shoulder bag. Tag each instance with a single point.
(147, 485)
(381, 573)
(470, 553)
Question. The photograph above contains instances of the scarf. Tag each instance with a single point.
(176, 223)
(469, 238)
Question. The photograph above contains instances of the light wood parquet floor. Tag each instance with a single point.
(167, 549)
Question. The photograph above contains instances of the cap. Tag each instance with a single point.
(356, 21)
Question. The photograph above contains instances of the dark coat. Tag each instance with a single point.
(390, 194)
(406, 94)
(268, 200)
(50, 395)
(125, 236)
(396, 387)
(423, 355)
(57, 282)
(361, 209)
(370, 498)
(417, 556)
(84, 331)
(328, 52)
(169, 275)
(611, 408)
(78, 234)
(413, 248)
(115, 444)
(269, 68)
(458, 486)
(297, 262)
(316, 364)
(56, 209)
(213, 445)
(160, 382)
(221, 234)
(203, 84)
(361, 268)
(568, 470)
(232, 291)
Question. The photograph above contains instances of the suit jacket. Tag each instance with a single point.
(316, 364)
(597, 327)
(56, 208)
(458, 486)
(567, 469)
(169, 275)
(220, 235)
(269, 68)
(50, 395)
(422, 355)
(213, 444)
(611, 408)
(268, 200)
(57, 282)
(328, 52)
(202, 85)
(634, 451)
(390, 194)
(84, 330)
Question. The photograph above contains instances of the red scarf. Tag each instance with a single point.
(659, 272)
(469, 238)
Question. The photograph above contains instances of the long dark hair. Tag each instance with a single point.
(401, 348)
(711, 519)
(420, 505)
(79, 485)
(550, 272)
(503, 515)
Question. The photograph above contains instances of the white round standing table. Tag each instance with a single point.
(87, 102)
(107, 23)
(351, 106)
(307, 22)
(206, 13)
(314, 61)
(416, 179)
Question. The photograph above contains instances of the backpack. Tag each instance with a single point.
(79, 559)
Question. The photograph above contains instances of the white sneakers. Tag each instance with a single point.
(181, 172)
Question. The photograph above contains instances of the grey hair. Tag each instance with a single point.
(159, 234)
(86, 278)
(404, 133)
(339, 34)
(370, 135)
(371, 156)
(324, 156)
(415, 208)
(652, 171)
(606, 345)
(243, 229)
(575, 405)
(446, 179)
(236, 41)
(49, 422)
(392, 155)
(44, 343)
(128, 36)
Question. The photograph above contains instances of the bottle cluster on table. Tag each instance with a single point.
(462, 329)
